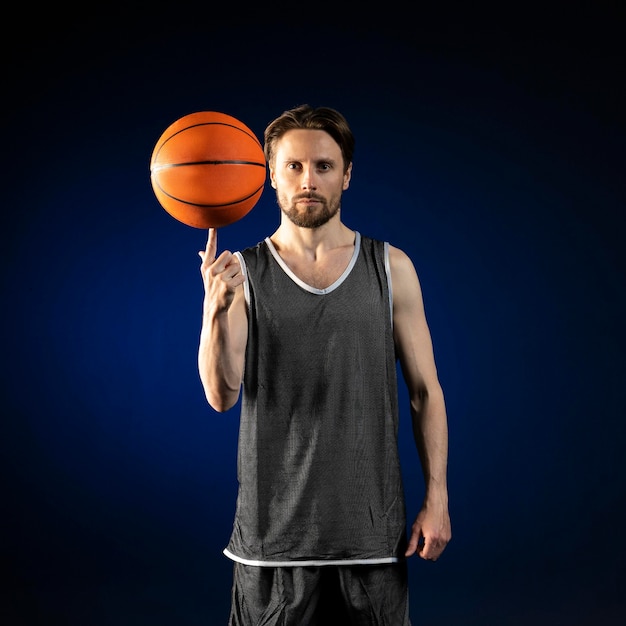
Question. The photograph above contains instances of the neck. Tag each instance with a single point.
(333, 234)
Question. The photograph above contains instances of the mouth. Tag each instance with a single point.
(308, 200)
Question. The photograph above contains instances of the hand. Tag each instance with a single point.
(221, 275)
(430, 533)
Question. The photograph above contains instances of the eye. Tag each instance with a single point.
(324, 166)
(293, 166)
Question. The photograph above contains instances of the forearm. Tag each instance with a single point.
(430, 429)
(219, 363)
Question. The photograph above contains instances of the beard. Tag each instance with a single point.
(310, 217)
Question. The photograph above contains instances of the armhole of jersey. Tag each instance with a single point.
(388, 272)
(244, 271)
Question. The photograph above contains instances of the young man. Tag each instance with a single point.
(308, 324)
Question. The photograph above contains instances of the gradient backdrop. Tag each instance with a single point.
(492, 151)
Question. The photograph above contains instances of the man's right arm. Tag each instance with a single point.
(224, 331)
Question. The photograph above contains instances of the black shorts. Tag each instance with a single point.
(344, 595)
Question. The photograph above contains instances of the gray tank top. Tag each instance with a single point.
(318, 465)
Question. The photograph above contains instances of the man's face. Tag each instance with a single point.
(308, 177)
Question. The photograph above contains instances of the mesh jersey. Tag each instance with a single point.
(318, 464)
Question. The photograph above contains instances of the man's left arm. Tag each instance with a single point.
(431, 530)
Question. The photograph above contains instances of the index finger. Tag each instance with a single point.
(211, 244)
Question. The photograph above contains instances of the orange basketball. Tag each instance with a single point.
(208, 169)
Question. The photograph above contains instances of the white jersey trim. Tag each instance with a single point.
(309, 563)
(244, 271)
(388, 272)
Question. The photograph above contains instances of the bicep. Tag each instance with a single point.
(411, 332)
(238, 326)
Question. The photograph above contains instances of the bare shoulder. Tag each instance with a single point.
(399, 257)
(403, 273)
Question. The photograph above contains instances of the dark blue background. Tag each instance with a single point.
(490, 150)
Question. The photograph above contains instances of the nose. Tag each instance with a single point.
(308, 178)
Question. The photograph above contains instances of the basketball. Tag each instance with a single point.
(208, 169)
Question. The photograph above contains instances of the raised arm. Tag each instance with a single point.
(431, 530)
(224, 326)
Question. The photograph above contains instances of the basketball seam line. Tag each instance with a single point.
(233, 162)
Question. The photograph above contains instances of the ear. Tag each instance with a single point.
(346, 177)
(272, 181)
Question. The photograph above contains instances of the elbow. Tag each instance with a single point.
(221, 402)
(214, 394)
(418, 399)
(221, 394)
(221, 407)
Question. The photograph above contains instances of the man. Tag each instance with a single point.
(308, 324)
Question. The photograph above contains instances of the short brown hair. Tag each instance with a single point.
(310, 118)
